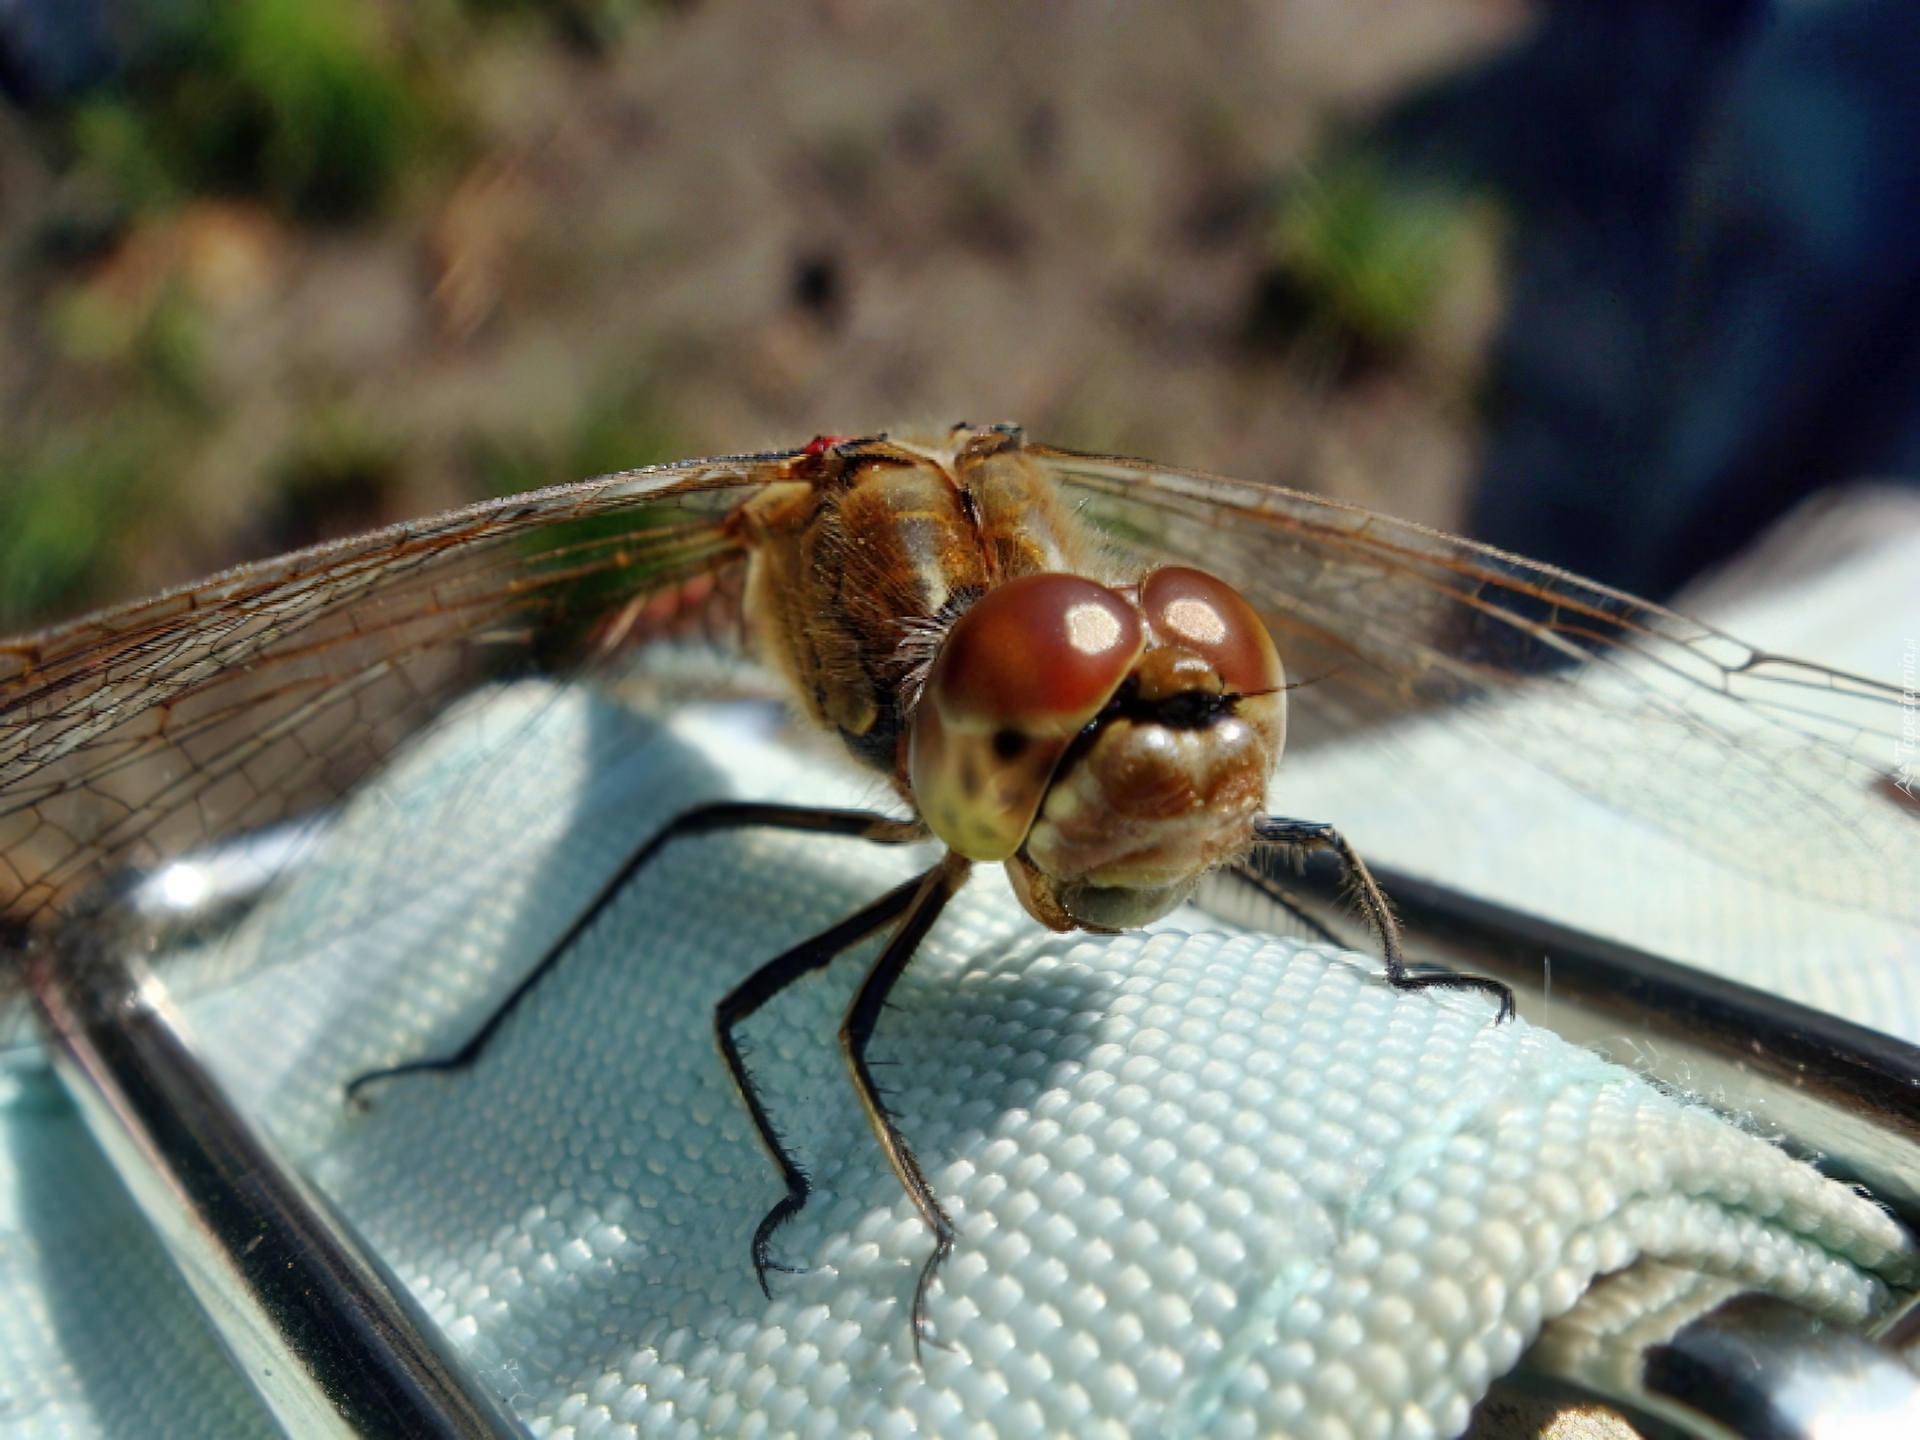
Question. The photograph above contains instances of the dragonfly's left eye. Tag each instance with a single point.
(1016, 679)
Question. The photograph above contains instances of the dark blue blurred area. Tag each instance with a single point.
(53, 49)
(1716, 303)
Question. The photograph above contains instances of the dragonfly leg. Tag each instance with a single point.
(704, 819)
(1373, 908)
(748, 996)
(936, 888)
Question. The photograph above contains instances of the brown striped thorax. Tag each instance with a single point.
(1109, 737)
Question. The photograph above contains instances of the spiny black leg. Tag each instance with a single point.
(1372, 904)
(721, 815)
(936, 888)
(748, 996)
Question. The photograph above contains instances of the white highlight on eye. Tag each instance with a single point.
(1196, 620)
(1091, 628)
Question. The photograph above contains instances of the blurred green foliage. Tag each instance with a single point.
(154, 347)
(72, 498)
(592, 24)
(318, 106)
(617, 427)
(336, 478)
(320, 109)
(69, 502)
(306, 105)
(1365, 251)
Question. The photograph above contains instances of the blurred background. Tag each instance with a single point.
(1613, 284)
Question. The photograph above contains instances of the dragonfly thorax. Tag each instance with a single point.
(942, 610)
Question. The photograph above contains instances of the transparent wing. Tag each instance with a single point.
(130, 737)
(1774, 766)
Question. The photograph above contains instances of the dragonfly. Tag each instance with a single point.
(1084, 613)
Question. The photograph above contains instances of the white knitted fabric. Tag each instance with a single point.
(1204, 1183)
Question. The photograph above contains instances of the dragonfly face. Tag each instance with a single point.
(1109, 745)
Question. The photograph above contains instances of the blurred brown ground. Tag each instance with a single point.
(736, 226)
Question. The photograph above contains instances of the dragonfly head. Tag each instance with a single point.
(1109, 745)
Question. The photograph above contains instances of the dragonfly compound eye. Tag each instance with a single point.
(1192, 610)
(1018, 676)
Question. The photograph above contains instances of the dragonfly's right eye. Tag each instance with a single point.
(1201, 613)
(1016, 679)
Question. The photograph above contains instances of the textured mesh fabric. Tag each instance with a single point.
(1602, 1340)
(1204, 1182)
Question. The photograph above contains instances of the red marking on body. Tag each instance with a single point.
(667, 602)
(820, 444)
